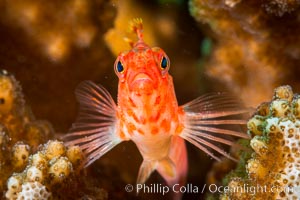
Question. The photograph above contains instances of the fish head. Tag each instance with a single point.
(142, 70)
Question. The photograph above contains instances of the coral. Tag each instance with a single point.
(44, 41)
(255, 42)
(14, 186)
(4, 141)
(20, 154)
(33, 191)
(273, 171)
(20, 133)
(115, 37)
(48, 168)
(26, 166)
(59, 31)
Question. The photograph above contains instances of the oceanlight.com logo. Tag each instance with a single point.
(211, 188)
(249, 189)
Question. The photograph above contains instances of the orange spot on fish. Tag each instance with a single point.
(121, 134)
(157, 100)
(132, 114)
(179, 129)
(155, 117)
(165, 125)
(141, 131)
(154, 131)
(131, 127)
(132, 102)
(180, 111)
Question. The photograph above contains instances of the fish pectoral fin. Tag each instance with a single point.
(145, 171)
(94, 131)
(205, 120)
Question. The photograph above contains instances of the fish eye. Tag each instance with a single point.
(119, 67)
(164, 63)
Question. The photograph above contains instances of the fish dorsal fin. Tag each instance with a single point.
(95, 128)
(136, 26)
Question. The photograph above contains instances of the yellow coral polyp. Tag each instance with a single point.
(39, 160)
(54, 149)
(20, 155)
(258, 146)
(34, 174)
(255, 125)
(280, 108)
(256, 169)
(75, 155)
(283, 93)
(6, 94)
(296, 107)
(60, 170)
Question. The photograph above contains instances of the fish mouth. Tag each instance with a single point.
(141, 77)
(142, 83)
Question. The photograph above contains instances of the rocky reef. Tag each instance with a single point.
(256, 44)
(273, 169)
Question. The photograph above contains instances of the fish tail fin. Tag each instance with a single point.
(205, 120)
(95, 128)
(178, 156)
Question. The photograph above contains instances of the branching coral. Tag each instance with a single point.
(59, 25)
(34, 167)
(48, 168)
(256, 41)
(20, 133)
(273, 171)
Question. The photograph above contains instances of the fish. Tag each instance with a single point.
(147, 113)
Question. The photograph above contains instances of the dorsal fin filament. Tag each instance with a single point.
(136, 26)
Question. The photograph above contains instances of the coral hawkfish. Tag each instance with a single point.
(148, 114)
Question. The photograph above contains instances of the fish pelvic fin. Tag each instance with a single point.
(165, 166)
(95, 128)
(178, 155)
(208, 121)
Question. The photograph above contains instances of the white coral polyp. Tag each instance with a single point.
(291, 173)
(34, 174)
(33, 191)
(13, 186)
